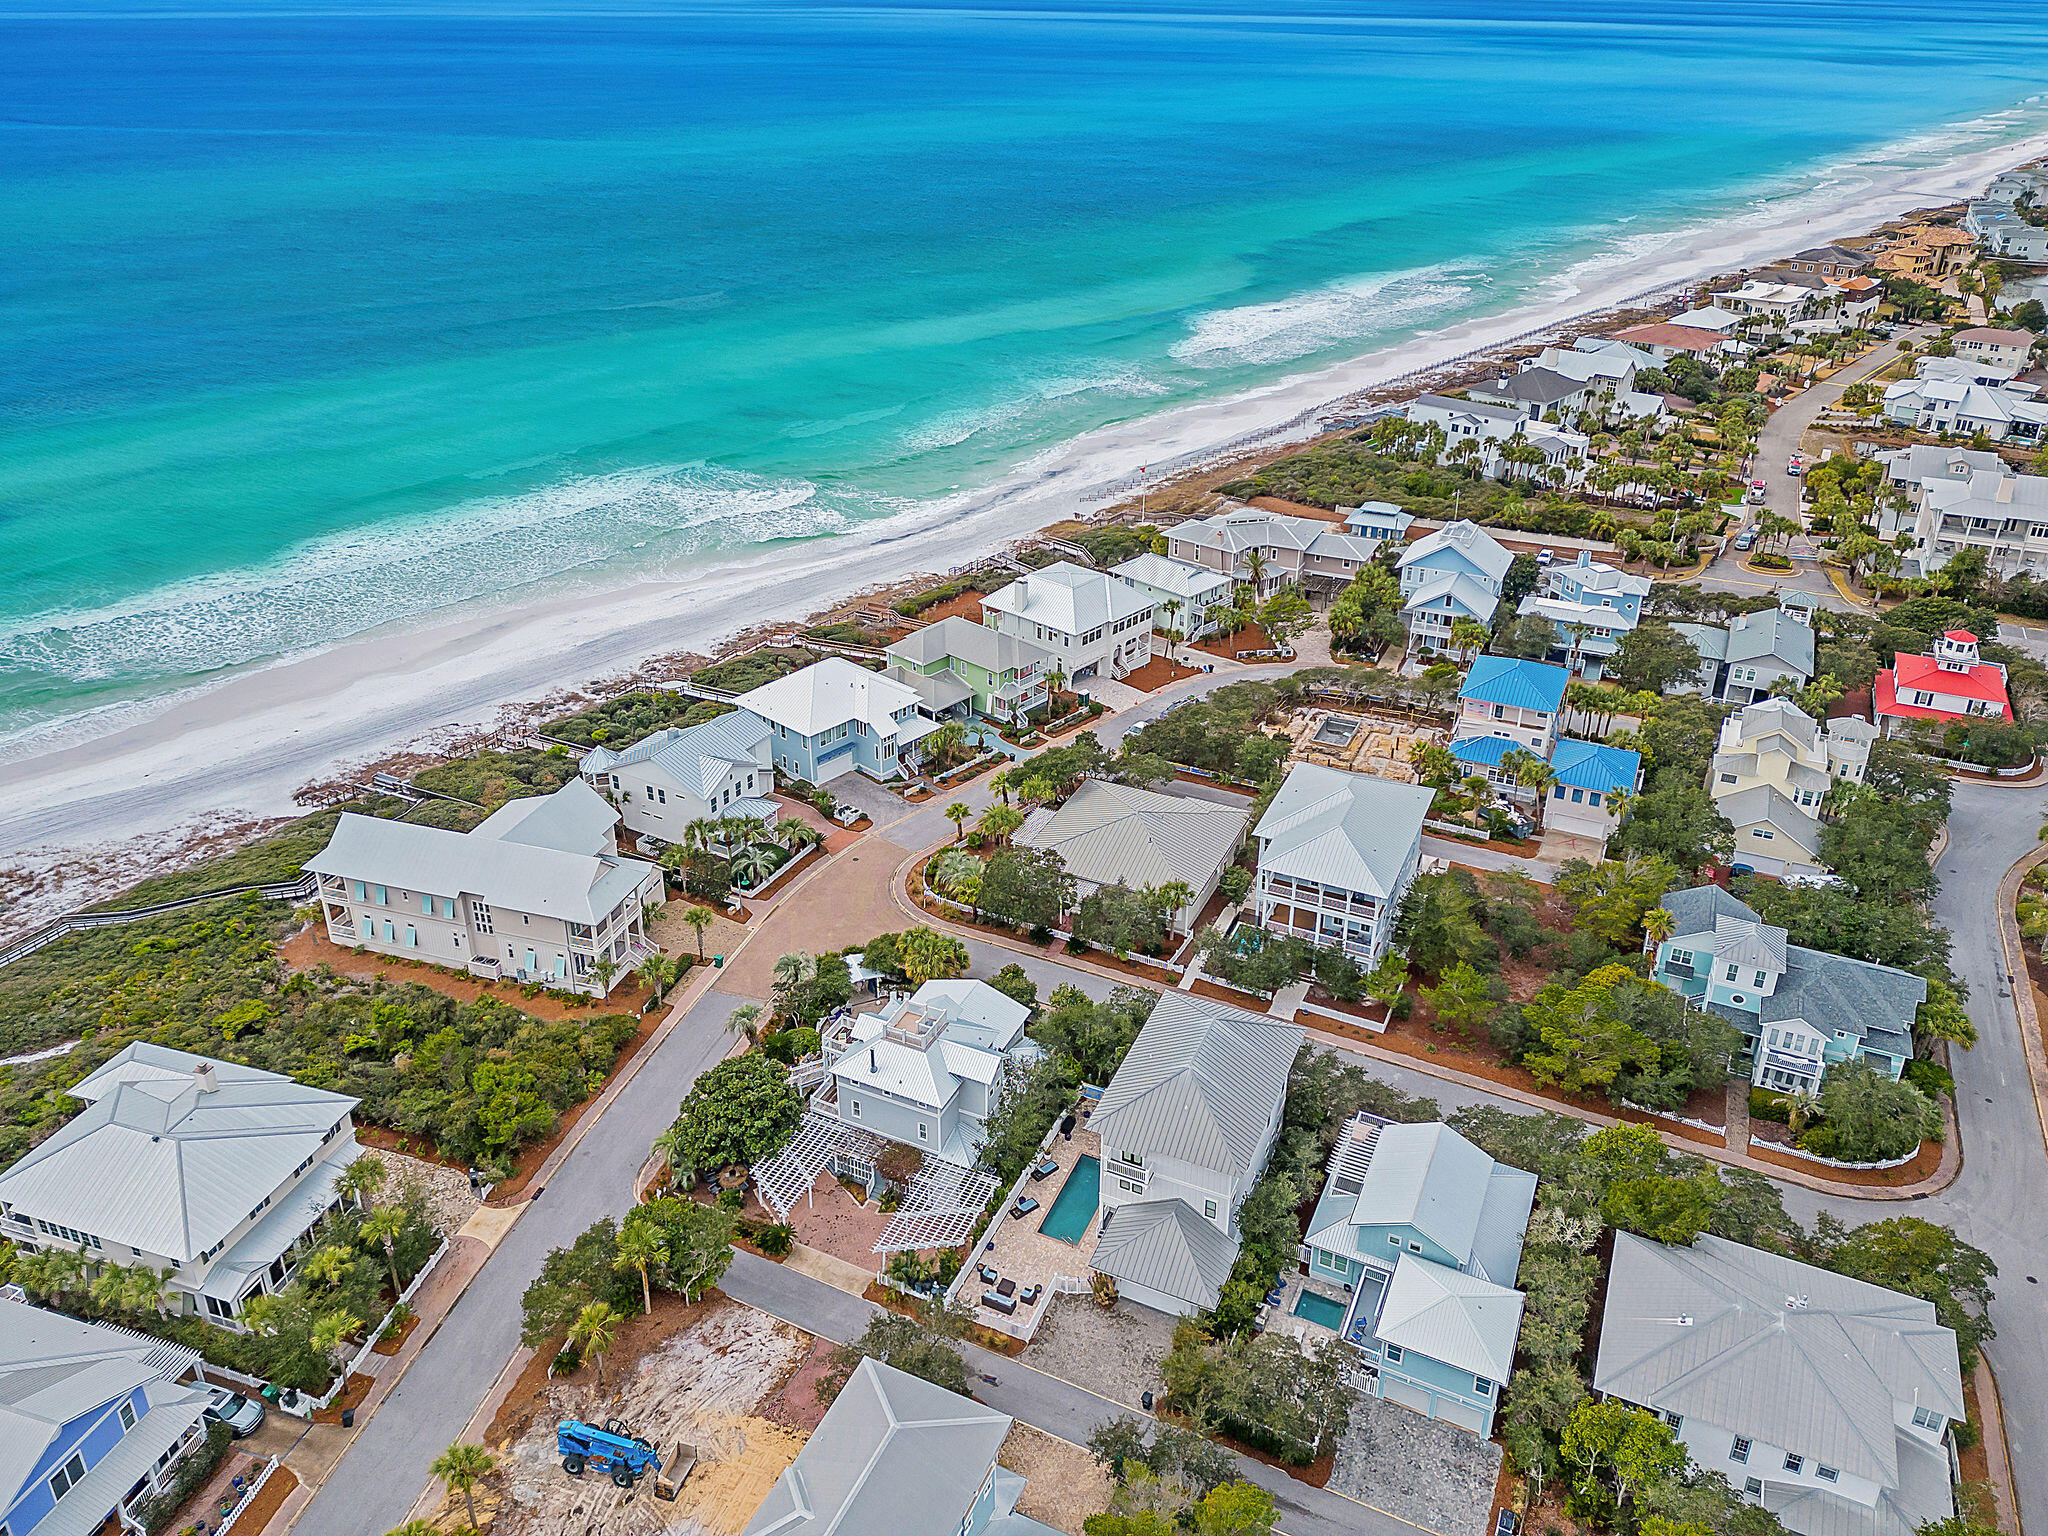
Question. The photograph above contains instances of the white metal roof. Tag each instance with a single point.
(698, 757)
(1164, 1245)
(1478, 548)
(170, 1168)
(1451, 1316)
(574, 819)
(1342, 829)
(830, 693)
(1069, 598)
(1108, 832)
(1189, 583)
(1202, 1082)
(961, 639)
(499, 870)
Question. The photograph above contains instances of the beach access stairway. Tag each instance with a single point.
(80, 922)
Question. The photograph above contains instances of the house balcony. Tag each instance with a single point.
(1129, 1172)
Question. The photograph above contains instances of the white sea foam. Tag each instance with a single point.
(1285, 329)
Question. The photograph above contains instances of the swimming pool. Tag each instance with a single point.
(1320, 1309)
(1075, 1207)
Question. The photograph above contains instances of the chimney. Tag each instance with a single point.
(872, 1066)
(203, 1075)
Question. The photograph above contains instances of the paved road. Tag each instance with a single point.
(1779, 439)
(1996, 1202)
(1046, 1402)
(379, 1476)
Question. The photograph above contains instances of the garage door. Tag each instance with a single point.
(1464, 1415)
(1406, 1393)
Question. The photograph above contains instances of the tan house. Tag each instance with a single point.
(1772, 768)
(536, 893)
(1926, 251)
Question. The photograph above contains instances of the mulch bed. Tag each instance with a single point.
(395, 1340)
(258, 1512)
(895, 1301)
(1250, 638)
(1157, 673)
(1316, 1474)
(1152, 975)
(1923, 1165)
(311, 948)
(352, 1394)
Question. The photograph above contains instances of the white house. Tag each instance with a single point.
(1995, 510)
(1996, 346)
(1938, 403)
(1182, 594)
(929, 1069)
(1825, 1399)
(1094, 623)
(1337, 852)
(1952, 684)
(1492, 424)
(1453, 573)
(835, 717)
(535, 892)
(214, 1172)
(1303, 551)
(662, 783)
(1186, 1125)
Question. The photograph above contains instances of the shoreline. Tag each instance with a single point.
(242, 746)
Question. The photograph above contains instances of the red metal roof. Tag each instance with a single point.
(1983, 682)
(1960, 636)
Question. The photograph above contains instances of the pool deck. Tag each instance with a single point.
(1018, 1251)
(1282, 1319)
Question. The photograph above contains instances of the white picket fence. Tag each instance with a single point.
(248, 1498)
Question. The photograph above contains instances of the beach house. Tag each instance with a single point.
(1824, 1399)
(1490, 427)
(1108, 833)
(1952, 684)
(1093, 623)
(1337, 853)
(960, 668)
(1590, 607)
(928, 1070)
(1182, 593)
(95, 1420)
(1589, 779)
(1946, 400)
(1507, 704)
(1420, 1234)
(1801, 1010)
(1743, 659)
(1383, 521)
(2006, 347)
(1991, 509)
(663, 782)
(1772, 767)
(1454, 573)
(536, 892)
(1186, 1125)
(1665, 339)
(897, 1456)
(835, 717)
(1266, 551)
(215, 1173)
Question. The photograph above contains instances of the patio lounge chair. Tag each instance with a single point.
(997, 1302)
(1045, 1170)
(987, 1273)
(1023, 1207)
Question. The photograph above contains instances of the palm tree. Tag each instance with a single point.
(792, 971)
(592, 1334)
(753, 864)
(460, 1468)
(329, 1329)
(640, 1248)
(999, 821)
(148, 1289)
(1658, 925)
(413, 1528)
(109, 1289)
(327, 1266)
(604, 968)
(957, 813)
(999, 782)
(659, 972)
(1055, 680)
(1170, 610)
(745, 1020)
(792, 834)
(1468, 634)
(700, 834)
(383, 1228)
(698, 919)
(1532, 772)
(361, 1179)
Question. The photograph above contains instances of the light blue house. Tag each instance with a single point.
(92, 1421)
(898, 1456)
(1590, 607)
(1804, 1010)
(836, 717)
(1505, 704)
(1589, 777)
(1376, 520)
(1421, 1233)
(1454, 573)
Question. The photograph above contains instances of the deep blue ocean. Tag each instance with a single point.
(315, 317)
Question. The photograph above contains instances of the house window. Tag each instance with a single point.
(482, 914)
(68, 1476)
(1762, 834)
(1482, 1386)
(1727, 778)
(1681, 957)
(1394, 1238)
(1794, 1462)
(1739, 1451)
(389, 936)
(1732, 973)
(1415, 1247)
(1393, 1354)
(854, 1106)
(1209, 1209)
(1578, 797)
(1753, 1488)
(1759, 979)
(127, 1415)
(1674, 1420)
(1927, 1418)
(1827, 1474)
(383, 897)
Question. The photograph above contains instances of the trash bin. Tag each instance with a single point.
(718, 962)
(1145, 1401)
(348, 1417)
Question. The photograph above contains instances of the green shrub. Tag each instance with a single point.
(1767, 1105)
(1930, 1077)
(187, 1478)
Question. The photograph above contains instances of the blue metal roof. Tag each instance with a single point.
(1524, 684)
(1483, 749)
(1588, 765)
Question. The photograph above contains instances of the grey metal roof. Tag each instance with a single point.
(1533, 386)
(1466, 538)
(1203, 1082)
(1451, 1316)
(1473, 597)
(1762, 804)
(1749, 944)
(939, 690)
(1164, 1245)
(574, 819)
(1773, 1349)
(1695, 908)
(520, 877)
(959, 638)
(53, 1369)
(1108, 832)
(696, 756)
(1427, 1177)
(1187, 583)
(1924, 1494)
(167, 1167)
(1835, 993)
(1342, 829)
(895, 1456)
(1069, 598)
(1771, 633)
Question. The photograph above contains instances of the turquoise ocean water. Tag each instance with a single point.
(316, 317)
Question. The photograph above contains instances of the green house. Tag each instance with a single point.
(961, 668)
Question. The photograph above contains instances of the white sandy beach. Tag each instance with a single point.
(242, 747)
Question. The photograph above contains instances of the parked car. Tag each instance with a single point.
(242, 1415)
(1545, 556)
(1745, 540)
(1792, 469)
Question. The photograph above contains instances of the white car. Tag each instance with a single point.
(242, 1415)
(1817, 881)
